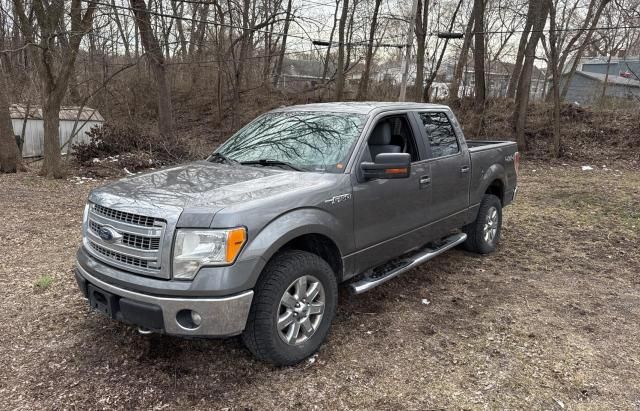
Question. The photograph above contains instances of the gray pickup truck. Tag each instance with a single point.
(255, 239)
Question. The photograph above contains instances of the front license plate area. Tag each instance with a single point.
(102, 301)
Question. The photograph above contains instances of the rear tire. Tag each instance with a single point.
(294, 304)
(483, 234)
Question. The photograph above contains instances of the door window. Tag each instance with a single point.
(440, 134)
(391, 135)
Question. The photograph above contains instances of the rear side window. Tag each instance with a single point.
(440, 135)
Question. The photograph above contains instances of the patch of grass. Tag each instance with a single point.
(43, 283)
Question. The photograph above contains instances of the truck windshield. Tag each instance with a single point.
(308, 141)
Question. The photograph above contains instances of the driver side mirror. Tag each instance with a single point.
(387, 166)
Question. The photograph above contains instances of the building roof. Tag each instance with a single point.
(69, 113)
(305, 68)
(612, 79)
(365, 107)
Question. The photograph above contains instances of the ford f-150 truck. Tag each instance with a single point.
(254, 240)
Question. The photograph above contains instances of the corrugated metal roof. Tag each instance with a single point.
(69, 113)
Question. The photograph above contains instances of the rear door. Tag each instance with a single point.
(450, 169)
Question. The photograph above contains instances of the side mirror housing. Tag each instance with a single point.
(387, 166)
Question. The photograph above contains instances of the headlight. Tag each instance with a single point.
(196, 248)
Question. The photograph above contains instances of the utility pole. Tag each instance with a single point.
(407, 54)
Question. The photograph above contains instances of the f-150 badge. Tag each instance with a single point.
(338, 199)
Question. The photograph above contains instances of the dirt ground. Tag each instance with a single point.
(550, 321)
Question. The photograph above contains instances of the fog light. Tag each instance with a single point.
(196, 318)
(189, 319)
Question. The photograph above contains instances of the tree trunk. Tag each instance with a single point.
(462, 62)
(283, 48)
(606, 80)
(340, 64)
(517, 67)
(9, 160)
(478, 55)
(555, 71)
(325, 68)
(363, 86)
(541, 11)
(156, 59)
(427, 89)
(51, 102)
(422, 21)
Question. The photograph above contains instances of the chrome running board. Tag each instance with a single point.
(394, 268)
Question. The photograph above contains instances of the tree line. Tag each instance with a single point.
(55, 52)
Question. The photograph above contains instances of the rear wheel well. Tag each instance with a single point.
(320, 245)
(497, 189)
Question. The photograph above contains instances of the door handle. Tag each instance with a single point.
(464, 169)
(425, 181)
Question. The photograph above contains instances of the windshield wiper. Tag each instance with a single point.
(277, 163)
(221, 158)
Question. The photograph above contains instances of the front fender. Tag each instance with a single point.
(293, 224)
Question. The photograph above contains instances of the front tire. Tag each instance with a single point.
(294, 304)
(483, 234)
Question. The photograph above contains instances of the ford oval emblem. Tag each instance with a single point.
(107, 234)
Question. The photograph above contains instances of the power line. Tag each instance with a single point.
(219, 24)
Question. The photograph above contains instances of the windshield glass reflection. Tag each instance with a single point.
(310, 141)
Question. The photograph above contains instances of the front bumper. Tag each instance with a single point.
(221, 316)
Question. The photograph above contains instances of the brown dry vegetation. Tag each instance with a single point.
(549, 320)
(589, 134)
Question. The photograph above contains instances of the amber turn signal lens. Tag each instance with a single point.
(395, 170)
(235, 240)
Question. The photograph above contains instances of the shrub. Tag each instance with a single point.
(130, 144)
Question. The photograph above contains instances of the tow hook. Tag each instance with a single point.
(144, 331)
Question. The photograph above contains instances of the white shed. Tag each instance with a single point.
(75, 122)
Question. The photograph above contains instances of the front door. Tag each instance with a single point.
(388, 213)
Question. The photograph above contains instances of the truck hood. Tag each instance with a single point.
(200, 184)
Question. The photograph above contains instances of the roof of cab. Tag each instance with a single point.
(365, 107)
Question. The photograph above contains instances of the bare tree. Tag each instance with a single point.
(325, 68)
(9, 159)
(363, 86)
(589, 26)
(434, 71)
(540, 10)
(157, 61)
(283, 47)
(522, 47)
(479, 55)
(341, 57)
(553, 63)
(422, 22)
(462, 61)
(54, 75)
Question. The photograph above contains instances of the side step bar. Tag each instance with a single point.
(406, 264)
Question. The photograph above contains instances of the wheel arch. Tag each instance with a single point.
(312, 230)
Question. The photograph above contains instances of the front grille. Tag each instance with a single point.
(140, 248)
(125, 259)
(128, 218)
(131, 240)
(136, 241)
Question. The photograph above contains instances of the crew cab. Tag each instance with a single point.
(255, 239)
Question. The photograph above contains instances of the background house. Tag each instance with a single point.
(586, 87)
(28, 127)
(618, 66)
